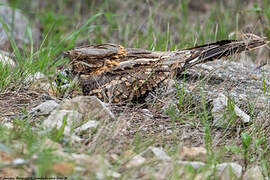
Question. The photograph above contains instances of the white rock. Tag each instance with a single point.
(147, 113)
(18, 161)
(56, 120)
(194, 164)
(101, 175)
(220, 106)
(113, 174)
(6, 60)
(87, 126)
(236, 168)
(44, 108)
(168, 132)
(34, 77)
(160, 154)
(8, 125)
(75, 139)
(245, 118)
(254, 173)
(90, 107)
(10, 15)
(135, 161)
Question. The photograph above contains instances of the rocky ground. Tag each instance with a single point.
(195, 126)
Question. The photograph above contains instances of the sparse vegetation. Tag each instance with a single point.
(155, 25)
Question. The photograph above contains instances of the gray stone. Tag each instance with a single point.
(254, 173)
(160, 154)
(18, 161)
(147, 113)
(136, 161)
(109, 174)
(90, 107)
(20, 24)
(17, 27)
(220, 107)
(5, 59)
(56, 118)
(83, 114)
(227, 173)
(34, 77)
(244, 83)
(86, 127)
(8, 125)
(236, 168)
(44, 109)
(194, 164)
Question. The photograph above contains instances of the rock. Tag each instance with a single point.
(33, 77)
(147, 113)
(168, 132)
(90, 107)
(220, 107)
(7, 124)
(17, 24)
(20, 25)
(227, 173)
(192, 153)
(136, 161)
(80, 109)
(236, 168)
(254, 173)
(113, 174)
(242, 82)
(109, 174)
(18, 161)
(86, 127)
(160, 154)
(5, 59)
(44, 109)
(56, 118)
(194, 164)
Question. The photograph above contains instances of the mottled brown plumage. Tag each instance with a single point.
(114, 73)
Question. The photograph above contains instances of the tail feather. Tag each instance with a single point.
(220, 49)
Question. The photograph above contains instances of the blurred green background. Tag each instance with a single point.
(152, 24)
